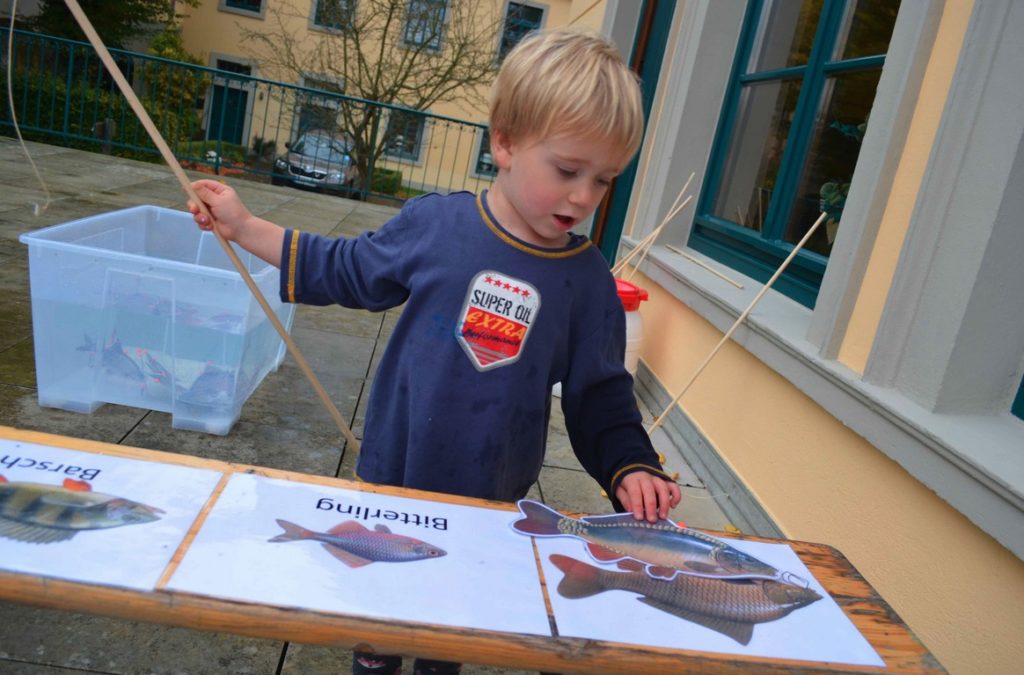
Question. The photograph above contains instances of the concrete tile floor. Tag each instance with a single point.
(283, 425)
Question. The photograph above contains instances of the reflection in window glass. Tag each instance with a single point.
(404, 134)
(425, 23)
(336, 14)
(520, 19)
(790, 135)
(484, 159)
(786, 35)
(835, 145)
(867, 28)
(752, 164)
(246, 5)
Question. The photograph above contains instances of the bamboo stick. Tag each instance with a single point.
(186, 184)
(676, 207)
(701, 263)
(725, 338)
(654, 237)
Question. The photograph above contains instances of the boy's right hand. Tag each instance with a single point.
(223, 203)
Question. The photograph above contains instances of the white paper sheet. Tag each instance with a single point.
(130, 556)
(487, 579)
(817, 632)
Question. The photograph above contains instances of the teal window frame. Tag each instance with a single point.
(1018, 402)
(759, 254)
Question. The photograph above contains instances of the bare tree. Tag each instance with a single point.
(408, 53)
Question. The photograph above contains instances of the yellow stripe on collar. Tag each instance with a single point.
(515, 243)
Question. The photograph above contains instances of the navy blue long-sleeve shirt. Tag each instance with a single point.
(461, 400)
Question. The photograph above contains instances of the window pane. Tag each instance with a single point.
(785, 34)
(867, 28)
(425, 22)
(333, 13)
(519, 20)
(832, 156)
(484, 159)
(404, 134)
(764, 116)
(247, 5)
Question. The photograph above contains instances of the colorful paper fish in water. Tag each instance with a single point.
(356, 546)
(156, 370)
(43, 514)
(729, 606)
(214, 387)
(116, 361)
(665, 549)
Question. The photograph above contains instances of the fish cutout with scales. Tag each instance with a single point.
(44, 514)
(664, 548)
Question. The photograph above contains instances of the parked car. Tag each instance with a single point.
(318, 160)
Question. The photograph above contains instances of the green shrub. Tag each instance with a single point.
(386, 181)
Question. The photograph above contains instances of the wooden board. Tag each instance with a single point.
(877, 622)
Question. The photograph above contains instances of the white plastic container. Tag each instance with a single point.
(139, 307)
(631, 297)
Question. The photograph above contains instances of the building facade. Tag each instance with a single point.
(871, 399)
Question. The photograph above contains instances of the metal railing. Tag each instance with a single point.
(231, 123)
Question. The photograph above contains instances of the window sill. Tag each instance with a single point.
(972, 461)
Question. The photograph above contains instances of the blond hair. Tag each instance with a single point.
(565, 81)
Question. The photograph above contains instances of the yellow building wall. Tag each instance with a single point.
(958, 589)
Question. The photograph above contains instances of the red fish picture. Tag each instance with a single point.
(357, 546)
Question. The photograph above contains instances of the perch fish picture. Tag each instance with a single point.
(676, 570)
(357, 546)
(44, 514)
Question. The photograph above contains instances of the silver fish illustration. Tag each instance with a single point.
(731, 607)
(43, 514)
(665, 549)
(356, 546)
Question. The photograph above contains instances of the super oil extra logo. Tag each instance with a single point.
(496, 319)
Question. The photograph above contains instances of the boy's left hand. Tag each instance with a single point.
(647, 496)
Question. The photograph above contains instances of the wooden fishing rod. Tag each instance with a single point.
(725, 338)
(186, 185)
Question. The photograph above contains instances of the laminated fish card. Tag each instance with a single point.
(94, 518)
(323, 548)
(702, 606)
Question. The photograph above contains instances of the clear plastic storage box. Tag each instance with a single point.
(141, 308)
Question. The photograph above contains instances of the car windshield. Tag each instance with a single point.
(321, 147)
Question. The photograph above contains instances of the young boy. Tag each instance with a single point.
(502, 299)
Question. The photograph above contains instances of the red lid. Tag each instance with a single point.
(630, 295)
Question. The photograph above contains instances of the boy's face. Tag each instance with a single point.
(547, 186)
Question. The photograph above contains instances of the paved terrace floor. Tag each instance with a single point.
(283, 425)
